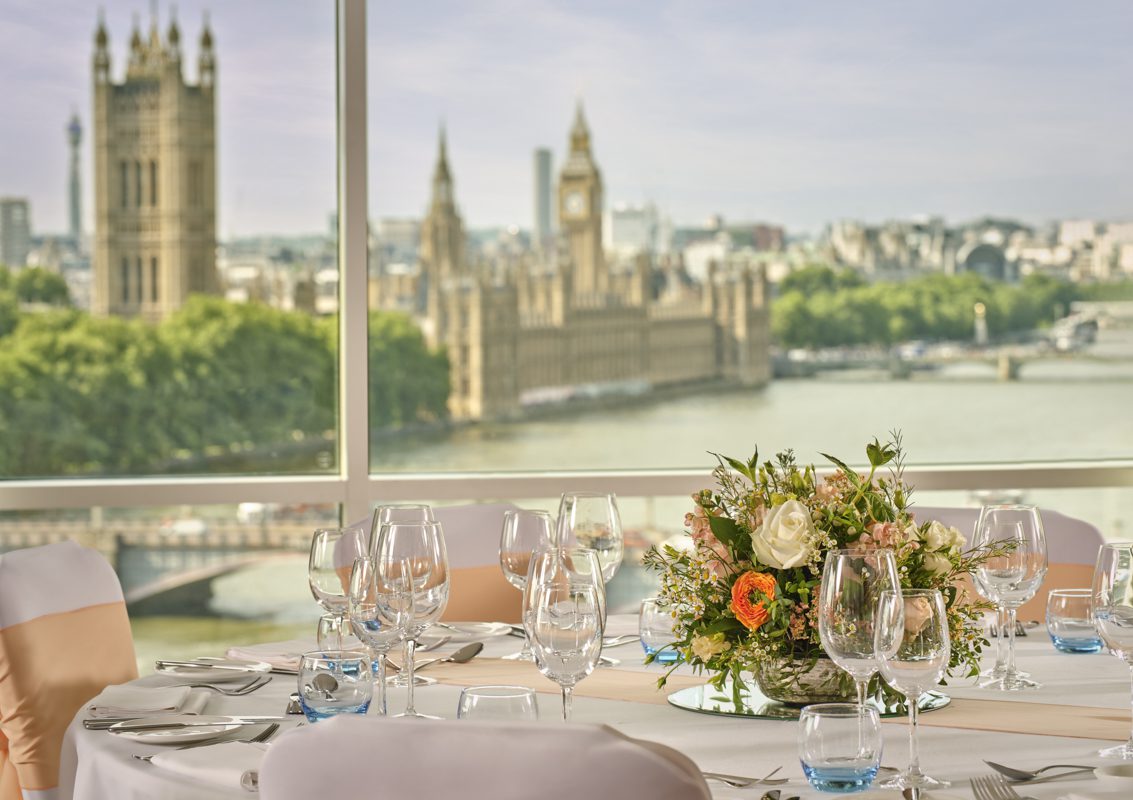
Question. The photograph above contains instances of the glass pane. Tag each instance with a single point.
(197, 579)
(641, 236)
(166, 243)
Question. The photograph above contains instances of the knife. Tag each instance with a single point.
(207, 665)
(143, 725)
(103, 723)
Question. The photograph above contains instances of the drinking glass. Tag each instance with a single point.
(1113, 615)
(1070, 622)
(655, 625)
(563, 614)
(411, 557)
(580, 563)
(840, 746)
(524, 533)
(332, 555)
(852, 583)
(497, 702)
(911, 633)
(330, 634)
(1013, 578)
(335, 682)
(591, 520)
(399, 512)
(379, 613)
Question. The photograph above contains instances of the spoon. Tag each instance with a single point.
(1025, 775)
(324, 682)
(911, 793)
(464, 654)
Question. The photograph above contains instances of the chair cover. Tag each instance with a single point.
(396, 758)
(479, 592)
(1071, 545)
(64, 637)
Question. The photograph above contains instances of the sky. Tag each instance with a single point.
(791, 113)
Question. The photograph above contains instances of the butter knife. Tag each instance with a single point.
(142, 725)
(207, 665)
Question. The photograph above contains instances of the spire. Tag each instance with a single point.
(136, 36)
(101, 38)
(154, 33)
(174, 34)
(206, 34)
(442, 171)
(579, 132)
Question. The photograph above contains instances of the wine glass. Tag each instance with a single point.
(399, 512)
(852, 583)
(591, 520)
(524, 533)
(379, 613)
(412, 557)
(913, 648)
(333, 551)
(563, 613)
(1112, 607)
(579, 562)
(1010, 579)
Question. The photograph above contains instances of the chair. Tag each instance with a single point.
(1071, 544)
(64, 637)
(396, 758)
(479, 592)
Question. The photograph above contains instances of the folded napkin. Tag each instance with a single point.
(223, 764)
(281, 655)
(1116, 794)
(126, 700)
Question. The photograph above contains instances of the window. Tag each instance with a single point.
(153, 183)
(153, 279)
(124, 184)
(138, 183)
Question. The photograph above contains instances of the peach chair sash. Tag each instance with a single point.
(503, 761)
(64, 637)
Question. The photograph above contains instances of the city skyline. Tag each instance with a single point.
(810, 116)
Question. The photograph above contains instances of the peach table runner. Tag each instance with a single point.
(1078, 722)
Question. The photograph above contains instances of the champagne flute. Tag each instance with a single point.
(852, 583)
(332, 555)
(412, 557)
(911, 636)
(564, 619)
(591, 520)
(379, 613)
(399, 512)
(524, 532)
(1112, 609)
(1011, 579)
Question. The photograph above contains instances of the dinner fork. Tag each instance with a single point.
(994, 787)
(259, 738)
(236, 691)
(739, 781)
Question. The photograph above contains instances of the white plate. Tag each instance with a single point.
(895, 794)
(247, 670)
(465, 631)
(181, 735)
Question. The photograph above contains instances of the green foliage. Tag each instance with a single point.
(818, 307)
(1122, 290)
(37, 285)
(80, 394)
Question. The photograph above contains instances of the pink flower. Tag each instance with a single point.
(700, 528)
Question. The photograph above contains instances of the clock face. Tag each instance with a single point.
(574, 203)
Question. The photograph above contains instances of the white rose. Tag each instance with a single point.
(783, 540)
(937, 564)
(937, 536)
(958, 541)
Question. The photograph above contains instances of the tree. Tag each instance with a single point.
(37, 285)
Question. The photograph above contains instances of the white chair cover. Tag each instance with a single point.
(397, 759)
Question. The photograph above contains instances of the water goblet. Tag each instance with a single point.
(331, 558)
(378, 614)
(840, 746)
(1112, 605)
(655, 625)
(411, 557)
(1070, 623)
(852, 583)
(1012, 578)
(330, 633)
(524, 532)
(911, 634)
(591, 520)
(497, 702)
(335, 682)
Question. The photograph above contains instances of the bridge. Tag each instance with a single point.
(162, 572)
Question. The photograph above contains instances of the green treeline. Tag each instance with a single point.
(80, 394)
(821, 307)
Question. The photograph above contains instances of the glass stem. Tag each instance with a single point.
(1130, 745)
(914, 755)
(1009, 668)
(526, 653)
(861, 686)
(339, 622)
(410, 647)
(568, 695)
(383, 709)
(1000, 629)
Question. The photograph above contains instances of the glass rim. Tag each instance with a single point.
(1070, 592)
(335, 655)
(838, 710)
(914, 592)
(498, 690)
(1010, 507)
(609, 495)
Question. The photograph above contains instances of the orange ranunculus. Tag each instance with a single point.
(750, 614)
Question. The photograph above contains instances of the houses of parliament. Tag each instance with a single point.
(551, 326)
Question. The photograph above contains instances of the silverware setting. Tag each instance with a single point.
(740, 781)
(441, 642)
(1032, 776)
(618, 641)
(163, 664)
(236, 691)
(155, 724)
(259, 738)
(995, 787)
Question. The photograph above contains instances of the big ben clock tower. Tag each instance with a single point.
(580, 211)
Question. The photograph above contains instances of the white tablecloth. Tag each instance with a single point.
(104, 769)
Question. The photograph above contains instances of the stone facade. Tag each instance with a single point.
(154, 177)
(566, 325)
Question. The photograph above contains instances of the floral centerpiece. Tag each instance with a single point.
(744, 597)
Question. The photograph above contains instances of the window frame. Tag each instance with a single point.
(354, 488)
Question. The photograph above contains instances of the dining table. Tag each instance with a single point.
(1083, 705)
